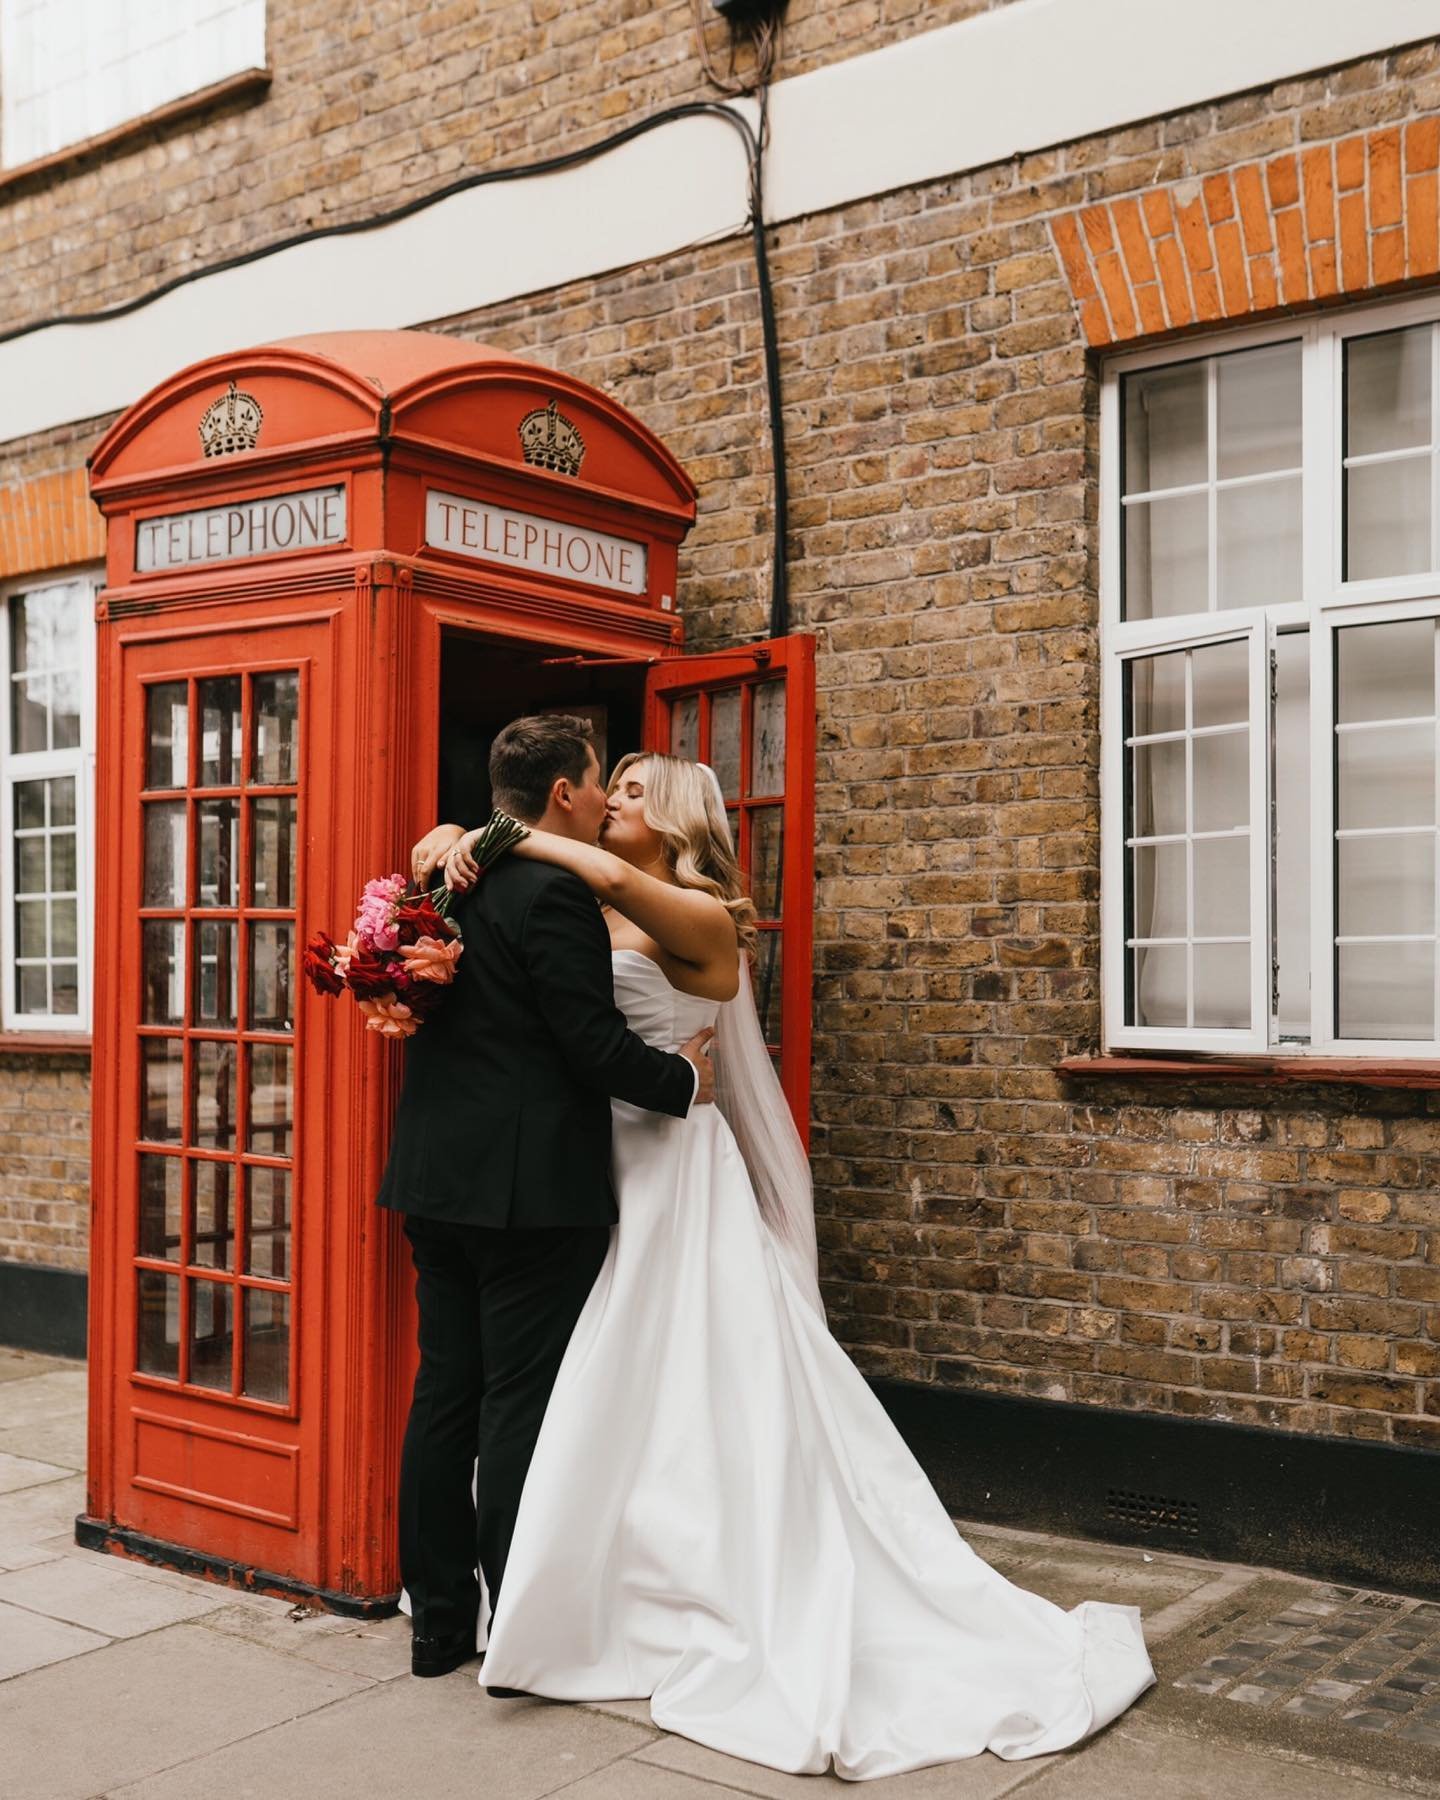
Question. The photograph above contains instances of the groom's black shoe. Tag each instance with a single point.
(499, 1693)
(439, 1655)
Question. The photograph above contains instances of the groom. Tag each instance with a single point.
(501, 1164)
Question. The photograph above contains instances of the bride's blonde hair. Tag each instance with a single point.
(682, 804)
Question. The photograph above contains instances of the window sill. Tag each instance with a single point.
(73, 1046)
(1268, 1071)
(248, 84)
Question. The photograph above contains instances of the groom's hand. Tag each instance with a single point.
(696, 1052)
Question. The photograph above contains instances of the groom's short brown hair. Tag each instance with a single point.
(530, 755)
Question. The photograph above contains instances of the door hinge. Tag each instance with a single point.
(1274, 987)
(1274, 678)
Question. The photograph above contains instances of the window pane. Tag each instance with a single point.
(1159, 797)
(1387, 519)
(1160, 975)
(212, 1336)
(64, 927)
(272, 965)
(212, 1226)
(1386, 671)
(1387, 776)
(1222, 987)
(1222, 888)
(161, 1073)
(60, 795)
(1258, 410)
(767, 860)
(725, 741)
(30, 865)
(65, 709)
(158, 1348)
(1160, 877)
(164, 854)
(1166, 558)
(167, 735)
(30, 714)
(30, 798)
(267, 1345)
(767, 738)
(1157, 693)
(45, 629)
(1220, 678)
(1386, 991)
(685, 727)
(65, 988)
(1222, 780)
(271, 1100)
(1386, 885)
(213, 1081)
(62, 862)
(218, 823)
(160, 1179)
(162, 972)
(1292, 831)
(1259, 543)
(1165, 429)
(275, 702)
(30, 920)
(1387, 391)
(32, 986)
(272, 850)
(769, 970)
(217, 971)
(219, 702)
(267, 1232)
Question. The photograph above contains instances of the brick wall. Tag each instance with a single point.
(1262, 1255)
(44, 1160)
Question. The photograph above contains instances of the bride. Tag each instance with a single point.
(719, 1515)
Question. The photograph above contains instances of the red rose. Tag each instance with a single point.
(418, 918)
(367, 975)
(318, 964)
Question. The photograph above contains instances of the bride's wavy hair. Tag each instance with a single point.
(683, 806)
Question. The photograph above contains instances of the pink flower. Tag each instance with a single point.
(391, 1018)
(429, 960)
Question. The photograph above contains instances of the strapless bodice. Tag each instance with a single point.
(653, 1009)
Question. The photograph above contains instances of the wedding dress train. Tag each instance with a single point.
(721, 1518)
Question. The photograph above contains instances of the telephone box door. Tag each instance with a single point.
(750, 714)
(205, 832)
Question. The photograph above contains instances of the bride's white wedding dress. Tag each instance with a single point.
(721, 1518)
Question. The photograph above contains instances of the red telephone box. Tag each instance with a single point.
(336, 566)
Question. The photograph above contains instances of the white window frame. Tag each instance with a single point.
(39, 765)
(1327, 604)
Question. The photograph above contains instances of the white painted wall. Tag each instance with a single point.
(75, 68)
(1035, 73)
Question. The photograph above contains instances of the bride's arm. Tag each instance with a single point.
(432, 849)
(693, 927)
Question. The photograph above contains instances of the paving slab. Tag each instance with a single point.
(30, 1641)
(23, 1472)
(37, 1399)
(378, 1648)
(1068, 1573)
(61, 1440)
(20, 1550)
(146, 1704)
(978, 1778)
(443, 1739)
(1134, 1763)
(102, 1595)
(21, 1365)
(35, 1513)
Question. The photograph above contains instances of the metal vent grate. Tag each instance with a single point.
(1153, 1512)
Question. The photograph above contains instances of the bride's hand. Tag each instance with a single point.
(461, 869)
(431, 851)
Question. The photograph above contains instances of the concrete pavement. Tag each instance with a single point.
(130, 1683)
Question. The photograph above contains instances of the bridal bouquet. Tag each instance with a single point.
(401, 952)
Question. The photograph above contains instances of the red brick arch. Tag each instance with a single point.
(49, 523)
(1331, 220)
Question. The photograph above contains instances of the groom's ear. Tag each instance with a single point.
(562, 794)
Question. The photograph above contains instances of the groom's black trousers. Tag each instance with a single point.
(496, 1311)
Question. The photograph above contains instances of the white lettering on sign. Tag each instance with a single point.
(491, 534)
(266, 527)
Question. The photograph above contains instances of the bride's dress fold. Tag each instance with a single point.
(721, 1517)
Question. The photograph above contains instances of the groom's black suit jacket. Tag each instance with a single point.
(504, 1118)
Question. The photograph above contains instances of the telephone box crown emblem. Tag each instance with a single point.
(551, 441)
(231, 423)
